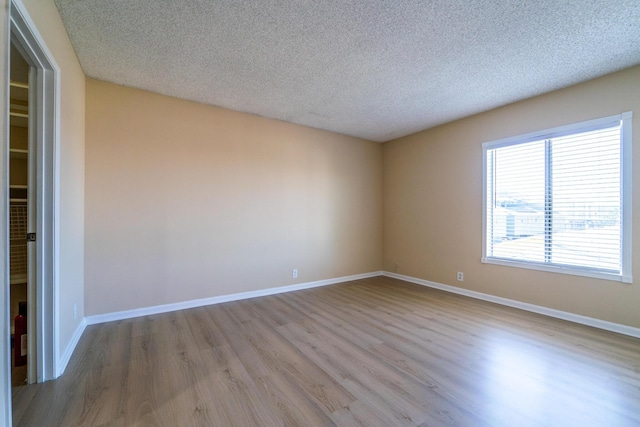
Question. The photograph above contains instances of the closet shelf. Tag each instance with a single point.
(18, 153)
(18, 193)
(19, 84)
(18, 279)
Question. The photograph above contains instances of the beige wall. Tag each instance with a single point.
(187, 201)
(432, 194)
(71, 167)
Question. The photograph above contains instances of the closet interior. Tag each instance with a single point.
(18, 214)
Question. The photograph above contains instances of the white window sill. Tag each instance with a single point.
(574, 271)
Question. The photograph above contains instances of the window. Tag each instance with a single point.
(559, 200)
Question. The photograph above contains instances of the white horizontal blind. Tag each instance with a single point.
(557, 200)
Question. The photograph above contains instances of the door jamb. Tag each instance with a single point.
(5, 335)
(28, 41)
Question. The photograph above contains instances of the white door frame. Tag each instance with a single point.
(19, 28)
(5, 334)
(44, 81)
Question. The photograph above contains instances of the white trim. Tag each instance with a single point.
(64, 359)
(5, 340)
(551, 312)
(556, 268)
(484, 214)
(557, 132)
(626, 195)
(158, 309)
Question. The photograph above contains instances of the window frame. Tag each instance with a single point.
(624, 119)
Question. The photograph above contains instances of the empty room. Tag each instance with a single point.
(320, 213)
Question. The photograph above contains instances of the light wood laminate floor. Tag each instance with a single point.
(373, 352)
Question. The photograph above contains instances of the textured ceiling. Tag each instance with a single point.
(377, 69)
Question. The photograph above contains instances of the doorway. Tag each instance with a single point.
(21, 222)
(43, 117)
(43, 211)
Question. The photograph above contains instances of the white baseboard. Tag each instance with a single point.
(66, 356)
(158, 309)
(559, 314)
(147, 311)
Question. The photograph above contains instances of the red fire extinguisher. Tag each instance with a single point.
(20, 335)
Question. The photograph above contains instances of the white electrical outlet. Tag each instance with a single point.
(460, 276)
(294, 274)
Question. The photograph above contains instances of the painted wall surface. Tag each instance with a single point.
(186, 201)
(71, 167)
(432, 192)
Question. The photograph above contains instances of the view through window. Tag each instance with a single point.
(556, 199)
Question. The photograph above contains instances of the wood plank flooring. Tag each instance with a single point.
(373, 352)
